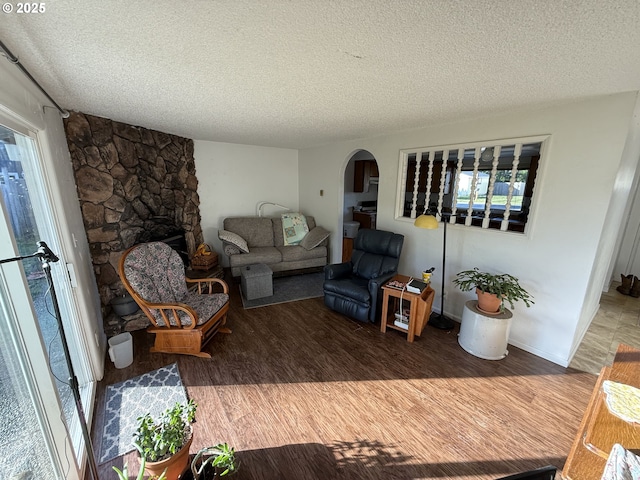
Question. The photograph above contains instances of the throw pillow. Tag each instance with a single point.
(294, 228)
(314, 238)
(230, 249)
(235, 239)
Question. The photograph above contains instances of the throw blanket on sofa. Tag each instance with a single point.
(294, 228)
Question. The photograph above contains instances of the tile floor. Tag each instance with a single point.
(617, 321)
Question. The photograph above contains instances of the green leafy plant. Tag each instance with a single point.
(165, 437)
(221, 458)
(124, 473)
(505, 286)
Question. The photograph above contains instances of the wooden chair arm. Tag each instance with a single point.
(173, 309)
(205, 285)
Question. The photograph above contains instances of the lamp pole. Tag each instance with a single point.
(47, 257)
(439, 320)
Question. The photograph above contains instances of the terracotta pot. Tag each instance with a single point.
(488, 302)
(175, 464)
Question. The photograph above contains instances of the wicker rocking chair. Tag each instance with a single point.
(185, 313)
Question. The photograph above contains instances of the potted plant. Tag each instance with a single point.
(124, 473)
(164, 444)
(214, 462)
(493, 290)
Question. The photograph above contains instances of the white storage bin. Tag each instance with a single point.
(351, 229)
(121, 350)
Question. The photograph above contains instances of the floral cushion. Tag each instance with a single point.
(156, 273)
(206, 306)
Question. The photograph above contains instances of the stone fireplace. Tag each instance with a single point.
(134, 185)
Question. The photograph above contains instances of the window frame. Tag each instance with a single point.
(64, 442)
(404, 159)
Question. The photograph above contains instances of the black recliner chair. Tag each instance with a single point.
(354, 288)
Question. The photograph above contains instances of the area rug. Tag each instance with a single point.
(289, 289)
(151, 392)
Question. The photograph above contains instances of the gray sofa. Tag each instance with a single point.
(251, 240)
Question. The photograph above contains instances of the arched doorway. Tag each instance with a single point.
(360, 204)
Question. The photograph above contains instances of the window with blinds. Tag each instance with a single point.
(486, 185)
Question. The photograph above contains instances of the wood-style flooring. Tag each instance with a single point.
(617, 321)
(302, 392)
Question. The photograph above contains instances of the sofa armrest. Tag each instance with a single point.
(337, 270)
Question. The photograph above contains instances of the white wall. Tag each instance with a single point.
(555, 260)
(233, 178)
(628, 257)
(20, 100)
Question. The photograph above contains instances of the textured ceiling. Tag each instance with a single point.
(301, 73)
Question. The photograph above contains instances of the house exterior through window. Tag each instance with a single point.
(488, 185)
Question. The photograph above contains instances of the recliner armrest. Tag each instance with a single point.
(375, 284)
(337, 270)
(375, 287)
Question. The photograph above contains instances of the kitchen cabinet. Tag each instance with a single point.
(364, 172)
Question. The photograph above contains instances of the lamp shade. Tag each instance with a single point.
(426, 221)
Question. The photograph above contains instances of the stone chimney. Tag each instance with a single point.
(134, 185)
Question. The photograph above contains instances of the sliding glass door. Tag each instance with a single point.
(44, 429)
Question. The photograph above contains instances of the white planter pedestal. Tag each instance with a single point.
(482, 335)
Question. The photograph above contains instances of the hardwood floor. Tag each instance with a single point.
(304, 393)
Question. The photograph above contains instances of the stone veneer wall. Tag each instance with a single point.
(134, 185)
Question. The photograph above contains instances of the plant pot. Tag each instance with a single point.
(124, 305)
(175, 465)
(482, 335)
(488, 303)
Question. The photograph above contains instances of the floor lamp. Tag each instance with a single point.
(429, 222)
(47, 257)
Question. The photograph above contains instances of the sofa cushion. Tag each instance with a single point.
(294, 253)
(314, 238)
(234, 239)
(353, 288)
(266, 255)
(257, 231)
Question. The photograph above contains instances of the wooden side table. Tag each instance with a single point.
(213, 272)
(419, 308)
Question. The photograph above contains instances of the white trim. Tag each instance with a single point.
(44, 390)
(403, 164)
